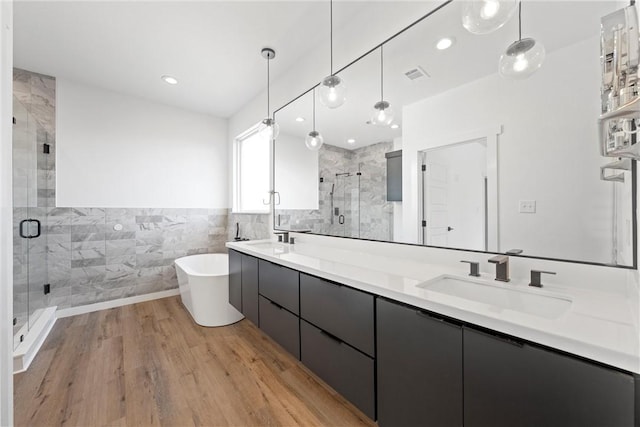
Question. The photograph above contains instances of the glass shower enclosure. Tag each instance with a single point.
(32, 166)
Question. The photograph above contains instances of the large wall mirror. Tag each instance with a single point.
(487, 163)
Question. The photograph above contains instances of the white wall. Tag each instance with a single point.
(6, 213)
(114, 150)
(296, 174)
(548, 122)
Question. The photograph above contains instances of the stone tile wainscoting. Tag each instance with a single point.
(252, 226)
(91, 259)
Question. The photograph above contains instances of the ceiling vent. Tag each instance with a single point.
(416, 73)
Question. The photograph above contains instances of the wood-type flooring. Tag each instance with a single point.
(149, 364)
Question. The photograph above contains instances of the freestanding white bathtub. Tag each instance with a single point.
(204, 289)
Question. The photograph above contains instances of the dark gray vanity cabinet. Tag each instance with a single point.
(509, 383)
(281, 325)
(243, 284)
(342, 311)
(281, 285)
(235, 279)
(419, 368)
(337, 336)
(279, 289)
(350, 372)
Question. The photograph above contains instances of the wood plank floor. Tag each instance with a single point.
(150, 364)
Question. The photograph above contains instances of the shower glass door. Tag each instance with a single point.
(29, 214)
(346, 214)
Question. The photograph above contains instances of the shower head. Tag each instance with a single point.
(332, 188)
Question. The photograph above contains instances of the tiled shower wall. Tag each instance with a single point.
(360, 198)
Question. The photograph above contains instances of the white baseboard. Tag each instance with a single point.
(90, 308)
(24, 354)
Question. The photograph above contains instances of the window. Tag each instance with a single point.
(252, 160)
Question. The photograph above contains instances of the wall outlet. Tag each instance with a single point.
(527, 206)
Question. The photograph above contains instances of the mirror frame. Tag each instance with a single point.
(634, 178)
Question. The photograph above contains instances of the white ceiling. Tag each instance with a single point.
(212, 47)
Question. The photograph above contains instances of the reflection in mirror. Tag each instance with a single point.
(488, 164)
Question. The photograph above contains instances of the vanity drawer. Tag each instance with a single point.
(348, 371)
(340, 310)
(281, 325)
(280, 284)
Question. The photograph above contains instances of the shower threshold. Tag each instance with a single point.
(34, 337)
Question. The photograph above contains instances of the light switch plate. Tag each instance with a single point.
(527, 206)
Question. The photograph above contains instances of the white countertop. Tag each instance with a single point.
(600, 326)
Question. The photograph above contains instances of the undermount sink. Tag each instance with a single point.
(277, 248)
(500, 296)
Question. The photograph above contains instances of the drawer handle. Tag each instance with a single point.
(500, 337)
(436, 318)
(428, 316)
(331, 336)
(276, 304)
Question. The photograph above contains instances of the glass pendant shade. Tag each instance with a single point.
(314, 141)
(521, 59)
(269, 129)
(333, 92)
(383, 114)
(486, 16)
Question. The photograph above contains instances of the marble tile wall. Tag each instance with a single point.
(252, 226)
(90, 260)
(360, 198)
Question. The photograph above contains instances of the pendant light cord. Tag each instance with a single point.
(331, 35)
(381, 73)
(520, 20)
(268, 94)
(314, 110)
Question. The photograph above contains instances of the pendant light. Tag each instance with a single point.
(486, 16)
(382, 113)
(314, 140)
(333, 90)
(268, 127)
(523, 57)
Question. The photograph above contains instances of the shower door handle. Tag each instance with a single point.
(30, 236)
(341, 219)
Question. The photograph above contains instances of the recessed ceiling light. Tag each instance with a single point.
(169, 79)
(351, 141)
(395, 126)
(445, 43)
(299, 119)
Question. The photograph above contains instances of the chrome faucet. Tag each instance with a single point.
(502, 267)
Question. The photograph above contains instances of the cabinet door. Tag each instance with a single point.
(340, 310)
(250, 288)
(281, 285)
(348, 371)
(419, 368)
(235, 280)
(510, 383)
(281, 325)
